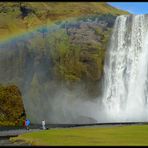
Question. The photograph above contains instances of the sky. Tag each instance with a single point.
(132, 7)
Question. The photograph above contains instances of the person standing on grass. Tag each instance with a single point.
(43, 125)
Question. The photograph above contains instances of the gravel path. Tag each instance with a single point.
(10, 133)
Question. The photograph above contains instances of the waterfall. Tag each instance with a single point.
(27, 63)
(126, 70)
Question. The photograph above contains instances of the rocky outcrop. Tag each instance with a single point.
(11, 108)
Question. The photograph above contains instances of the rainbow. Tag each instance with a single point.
(18, 35)
(22, 34)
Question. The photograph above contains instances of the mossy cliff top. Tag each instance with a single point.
(21, 16)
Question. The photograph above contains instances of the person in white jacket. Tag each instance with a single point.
(43, 124)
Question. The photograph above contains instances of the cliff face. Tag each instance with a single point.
(57, 67)
(69, 52)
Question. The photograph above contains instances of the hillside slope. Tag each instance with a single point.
(20, 17)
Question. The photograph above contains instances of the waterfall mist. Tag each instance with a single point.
(61, 106)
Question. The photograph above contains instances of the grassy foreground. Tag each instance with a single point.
(119, 135)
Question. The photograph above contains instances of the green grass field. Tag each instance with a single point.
(84, 136)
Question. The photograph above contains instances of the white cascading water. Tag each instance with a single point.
(126, 70)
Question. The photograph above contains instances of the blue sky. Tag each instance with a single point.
(132, 7)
